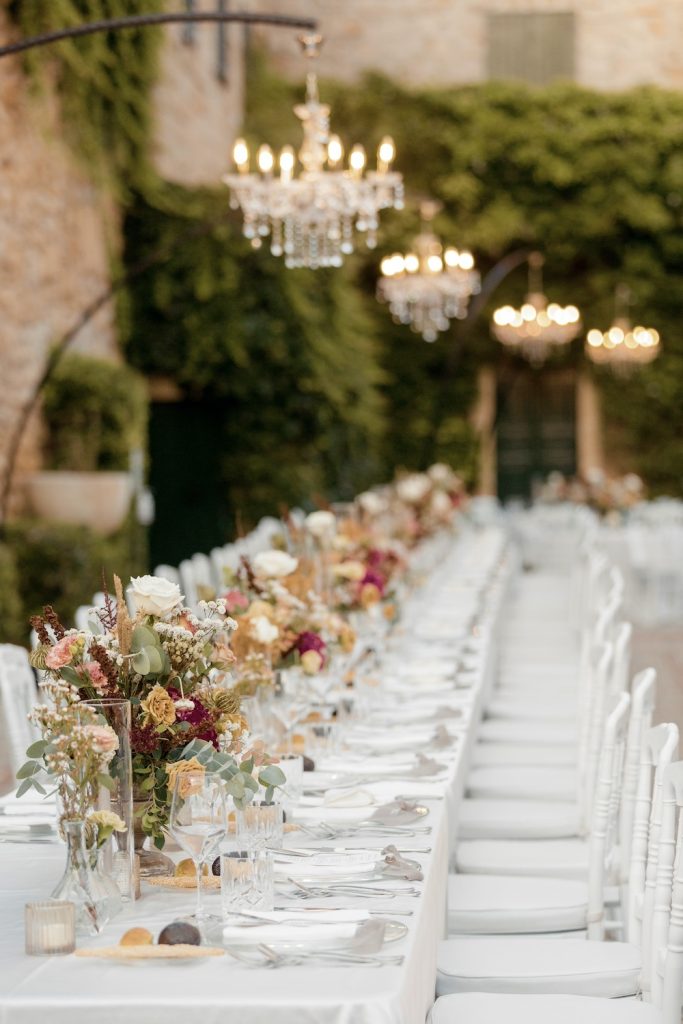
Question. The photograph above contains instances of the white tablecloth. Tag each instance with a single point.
(68, 990)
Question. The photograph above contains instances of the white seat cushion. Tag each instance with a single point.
(575, 967)
(487, 1008)
(502, 904)
(517, 819)
(524, 782)
(539, 733)
(517, 754)
(534, 709)
(554, 858)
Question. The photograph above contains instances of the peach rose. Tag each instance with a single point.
(64, 651)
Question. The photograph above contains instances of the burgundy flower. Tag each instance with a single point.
(195, 716)
(375, 578)
(143, 739)
(309, 641)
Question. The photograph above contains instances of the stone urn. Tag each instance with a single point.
(99, 500)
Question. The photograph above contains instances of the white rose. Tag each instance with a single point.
(273, 564)
(263, 630)
(153, 595)
(633, 483)
(372, 503)
(321, 524)
(440, 504)
(414, 488)
(440, 473)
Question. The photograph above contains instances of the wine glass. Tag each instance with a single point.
(198, 821)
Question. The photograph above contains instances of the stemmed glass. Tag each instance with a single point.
(198, 821)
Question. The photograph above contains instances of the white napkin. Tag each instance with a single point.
(351, 863)
(393, 738)
(319, 925)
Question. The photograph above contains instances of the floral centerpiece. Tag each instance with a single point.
(172, 665)
(427, 500)
(280, 617)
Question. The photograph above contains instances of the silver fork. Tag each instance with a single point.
(341, 957)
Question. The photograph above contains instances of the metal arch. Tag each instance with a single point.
(143, 20)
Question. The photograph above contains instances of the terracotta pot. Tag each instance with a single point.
(98, 500)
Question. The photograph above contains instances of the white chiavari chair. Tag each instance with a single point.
(168, 572)
(512, 904)
(18, 694)
(611, 970)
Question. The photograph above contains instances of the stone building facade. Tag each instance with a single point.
(602, 44)
(58, 231)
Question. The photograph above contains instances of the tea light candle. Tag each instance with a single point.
(50, 928)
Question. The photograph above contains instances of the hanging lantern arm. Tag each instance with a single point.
(147, 20)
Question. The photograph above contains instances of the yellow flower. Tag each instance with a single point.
(158, 707)
(178, 769)
(107, 819)
(351, 570)
(311, 662)
(369, 595)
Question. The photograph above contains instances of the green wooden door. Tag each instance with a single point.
(186, 477)
(536, 430)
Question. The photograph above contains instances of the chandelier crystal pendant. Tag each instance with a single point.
(429, 286)
(622, 348)
(539, 326)
(311, 212)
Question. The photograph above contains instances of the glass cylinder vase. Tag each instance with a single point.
(116, 858)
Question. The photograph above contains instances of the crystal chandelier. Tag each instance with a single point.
(429, 286)
(622, 348)
(539, 326)
(311, 212)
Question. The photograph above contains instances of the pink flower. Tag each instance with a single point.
(235, 601)
(104, 740)
(97, 676)
(63, 652)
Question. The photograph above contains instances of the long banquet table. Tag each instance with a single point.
(442, 657)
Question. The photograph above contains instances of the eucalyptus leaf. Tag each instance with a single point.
(140, 662)
(37, 749)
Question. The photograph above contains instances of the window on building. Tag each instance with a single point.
(222, 56)
(189, 29)
(536, 47)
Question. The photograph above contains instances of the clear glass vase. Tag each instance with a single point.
(95, 897)
(116, 857)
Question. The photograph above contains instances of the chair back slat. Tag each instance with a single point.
(605, 810)
(640, 722)
(667, 932)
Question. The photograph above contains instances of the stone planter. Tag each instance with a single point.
(98, 500)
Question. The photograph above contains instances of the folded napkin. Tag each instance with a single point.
(283, 926)
(392, 738)
(349, 798)
(351, 864)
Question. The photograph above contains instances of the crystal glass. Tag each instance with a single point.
(260, 825)
(50, 928)
(246, 881)
(198, 821)
(96, 898)
(117, 856)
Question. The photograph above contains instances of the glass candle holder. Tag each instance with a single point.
(50, 928)
(260, 825)
(293, 767)
(246, 881)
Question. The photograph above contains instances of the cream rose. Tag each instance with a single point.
(372, 503)
(440, 504)
(273, 564)
(351, 570)
(153, 595)
(322, 524)
(263, 630)
(440, 473)
(158, 707)
(414, 488)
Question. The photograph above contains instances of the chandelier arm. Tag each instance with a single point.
(145, 20)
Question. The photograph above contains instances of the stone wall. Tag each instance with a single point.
(58, 232)
(619, 43)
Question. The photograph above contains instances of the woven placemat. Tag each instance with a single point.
(179, 952)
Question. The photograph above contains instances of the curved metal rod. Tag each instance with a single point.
(142, 20)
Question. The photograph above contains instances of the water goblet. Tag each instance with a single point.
(198, 821)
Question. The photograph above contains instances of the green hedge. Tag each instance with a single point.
(95, 412)
(62, 566)
(12, 626)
